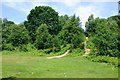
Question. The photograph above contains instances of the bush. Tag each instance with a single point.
(48, 51)
(104, 59)
(30, 47)
(77, 52)
(23, 48)
(27, 47)
(91, 46)
(8, 47)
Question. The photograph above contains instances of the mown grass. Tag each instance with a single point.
(36, 65)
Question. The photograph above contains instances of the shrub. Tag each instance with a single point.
(23, 48)
(30, 47)
(8, 47)
(27, 47)
(48, 51)
(77, 52)
(91, 46)
(104, 59)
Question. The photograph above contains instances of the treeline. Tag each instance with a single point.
(44, 29)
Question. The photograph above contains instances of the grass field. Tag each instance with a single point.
(22, 65)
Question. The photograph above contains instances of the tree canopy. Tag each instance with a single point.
(42, 15)
(104, 34)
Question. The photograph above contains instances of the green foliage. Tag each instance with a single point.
(60, 51)
(117, 19)
(30, 47)
(53, 45)
(23, 48)
(7, 27)
(0, 34)
(104, 59)
(26, 47)
(14, 34)
(77, 52)
(63, 20)
(77, 41)
(56, 44)
(8, 47)
(72, 32)
(19, 36)
(42, 36)
(90, 29)
(91, 46)
(49, 31)
(105, 36)
(42, 15)
(103, 32)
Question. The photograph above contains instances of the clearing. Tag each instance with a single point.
(19, 65)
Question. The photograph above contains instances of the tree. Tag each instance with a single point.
(90, 29)
(42, 15)
(77, 40)
(13, 35)
(42, 37)
(55, 44)
(63, 20)
(104, 35)
(117, 19)
(7, 27)
(19, 36)
(72, 32)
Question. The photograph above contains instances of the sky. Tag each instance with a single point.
(17, 11)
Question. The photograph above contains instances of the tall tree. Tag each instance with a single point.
(7, 27)
(104, 35)
(90, 29)
(19, 36)
(42, 37)
(117, 19)
(72, 32)
(42, 15)
(63, 20)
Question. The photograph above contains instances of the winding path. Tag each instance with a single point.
(87, 50)
(59, 55)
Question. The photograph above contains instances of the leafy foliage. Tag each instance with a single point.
(104, 59)
(7, 27)
(63, 20)
(19, 36)
(16, 35)
(8, 47)
(42, 15)
(46, 30)
(90, 29)
(104, 34)
(42, 36)
(72, 32)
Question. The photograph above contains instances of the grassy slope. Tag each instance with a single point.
(29, 66)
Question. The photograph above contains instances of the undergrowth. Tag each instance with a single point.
(105, 59)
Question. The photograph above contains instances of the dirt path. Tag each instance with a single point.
(59, 55)
(87, 50)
